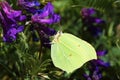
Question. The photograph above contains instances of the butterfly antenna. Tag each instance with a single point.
(60, 30)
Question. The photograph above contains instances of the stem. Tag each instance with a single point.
(40, 36)
(40, 52)
(7, 69)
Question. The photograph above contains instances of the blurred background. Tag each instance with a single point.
(96, 21)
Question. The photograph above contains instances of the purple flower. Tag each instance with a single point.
(48, 31)
(95, 69)
(92, 22)
(47, 16)
(9, 19)
(46, 41)
(11, 34)
(44, 33)
(40, 19)
(10, 13)
(101, 63)
(29, 5)
(98, 21)
(95, 31)
(94, 75)
(87, 12)
(102, 52)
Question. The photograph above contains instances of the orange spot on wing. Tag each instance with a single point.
(78, 45)
(70, 55)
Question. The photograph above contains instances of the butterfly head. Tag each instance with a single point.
(56, 37)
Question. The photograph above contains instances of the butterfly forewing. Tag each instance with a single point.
(70, 52)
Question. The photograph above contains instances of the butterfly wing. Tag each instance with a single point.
(70, 53)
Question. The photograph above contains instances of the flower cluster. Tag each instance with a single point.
(91, 21)
(9, 19)
(29, 5)
(47, 16)
(39, 17)
(93, 24)
(96, 65)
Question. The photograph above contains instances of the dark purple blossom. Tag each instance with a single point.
(95, 69)
(87, 12)
(96, 31)
(101, 63)
(91, 21)
(47, 16)
(9, 19)
(29, 5)
(44, 33)
(12, 14)
(98, 21)
(45, 40)
(40, 19)
(11, 34)
(102, 52)
(48, 31)
(95, 74)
